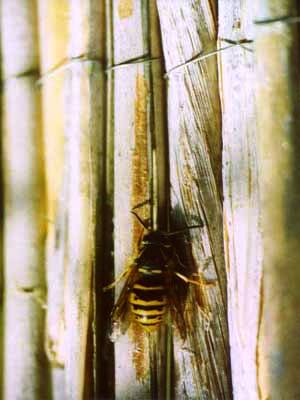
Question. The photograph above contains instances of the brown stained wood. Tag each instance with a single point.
(138, 125)
(277, 94)
(140, 163)
(202, 363)
(139, 194)
(130, 177)
(242, 236)
(130, 124)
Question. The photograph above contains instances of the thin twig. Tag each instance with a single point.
(203, 56)
(129, 63)
(289, 19)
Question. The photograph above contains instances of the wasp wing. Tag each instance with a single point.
(120, 315)
(177, 293)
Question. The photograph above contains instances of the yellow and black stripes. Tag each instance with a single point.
(148, 298)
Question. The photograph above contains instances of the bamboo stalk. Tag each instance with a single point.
(84, 135)
(87, 29)
(54, 36)
(85, 130)
(19, 38)
(87, 42)
(135, 347)
(73, 106)
(131, 172)
(277, 103)
(202, 364)
(53, 33)
(242, 237)
(104, 274)
(135, 76)
(25, 367)
(160, 346)
(56, 218)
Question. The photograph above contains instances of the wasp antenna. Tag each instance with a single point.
(183, 230)
(140, 220)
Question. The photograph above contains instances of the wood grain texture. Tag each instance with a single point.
(277, 94)
(189, 28)
(242, 236)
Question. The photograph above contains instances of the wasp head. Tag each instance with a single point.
(156, 238)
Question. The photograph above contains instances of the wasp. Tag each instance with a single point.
(152, 286)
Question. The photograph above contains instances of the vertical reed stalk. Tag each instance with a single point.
(25, 367)
(277, 104)
(188, 29)
(242, 239)
(85, 132)
(72, 47)
(137, 124)
(53, 42)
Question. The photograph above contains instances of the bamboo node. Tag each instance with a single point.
(65, 64)
(30, 73)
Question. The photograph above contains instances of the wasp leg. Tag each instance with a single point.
(143, 203)
(123, 275)
(187, 280)
(140, 220)
(200, 282)
(205, 282)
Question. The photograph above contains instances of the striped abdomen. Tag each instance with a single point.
(148, 299)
